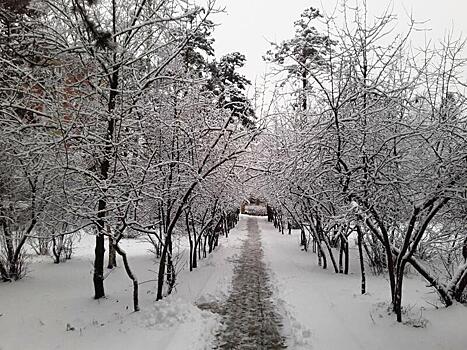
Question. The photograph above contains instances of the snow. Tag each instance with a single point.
(324, 310)
(53, 308)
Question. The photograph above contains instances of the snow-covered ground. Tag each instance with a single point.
(53, 308)
(323, 310)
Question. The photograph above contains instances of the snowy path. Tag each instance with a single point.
(249, 319)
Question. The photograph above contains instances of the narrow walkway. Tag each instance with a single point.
(249, 320)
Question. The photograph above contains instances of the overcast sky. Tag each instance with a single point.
(248, 25)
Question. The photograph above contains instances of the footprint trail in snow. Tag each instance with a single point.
(249, 320)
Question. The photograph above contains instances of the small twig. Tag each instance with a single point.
(434, 305)
(107, 274)
(371, 316)
(147, 281)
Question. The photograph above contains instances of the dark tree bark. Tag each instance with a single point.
(112, 259)
(331, 255)
(341, 255)
(130, 274)
(4, 273)
(303, 241)
(190, 239)
(161, 273)
(346, 261)
(464, 249)
(360, 255)
(57, 248)
(98, 276)
(99, 250)
(171, 274)
(460, 287)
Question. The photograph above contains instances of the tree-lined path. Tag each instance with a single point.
(250, 321)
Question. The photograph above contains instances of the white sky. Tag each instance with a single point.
(249, 24)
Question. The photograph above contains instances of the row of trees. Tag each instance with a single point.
(372, 144)
(116, 119)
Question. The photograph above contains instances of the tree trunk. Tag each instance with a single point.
(458, 283)
(57, 249)
(171, 275)
(341, 256)
(10, 250)
(303, 241)
(304, 85)
(161, 274)
(464, 249)
(190, 239)
(130, 274)
(191, 254)
(322, 256)
(112, 253)
(8, 241)
(4, 273)
(210, 242)
(196, 253)
(433, 281)
(362, 262)
(460, 287)
(397, 304)
(346, 260)
(99, 251)
(216, 241)
(331, 255)
(199, 247)
(15, 268)
(204, 245)
(98, 277)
